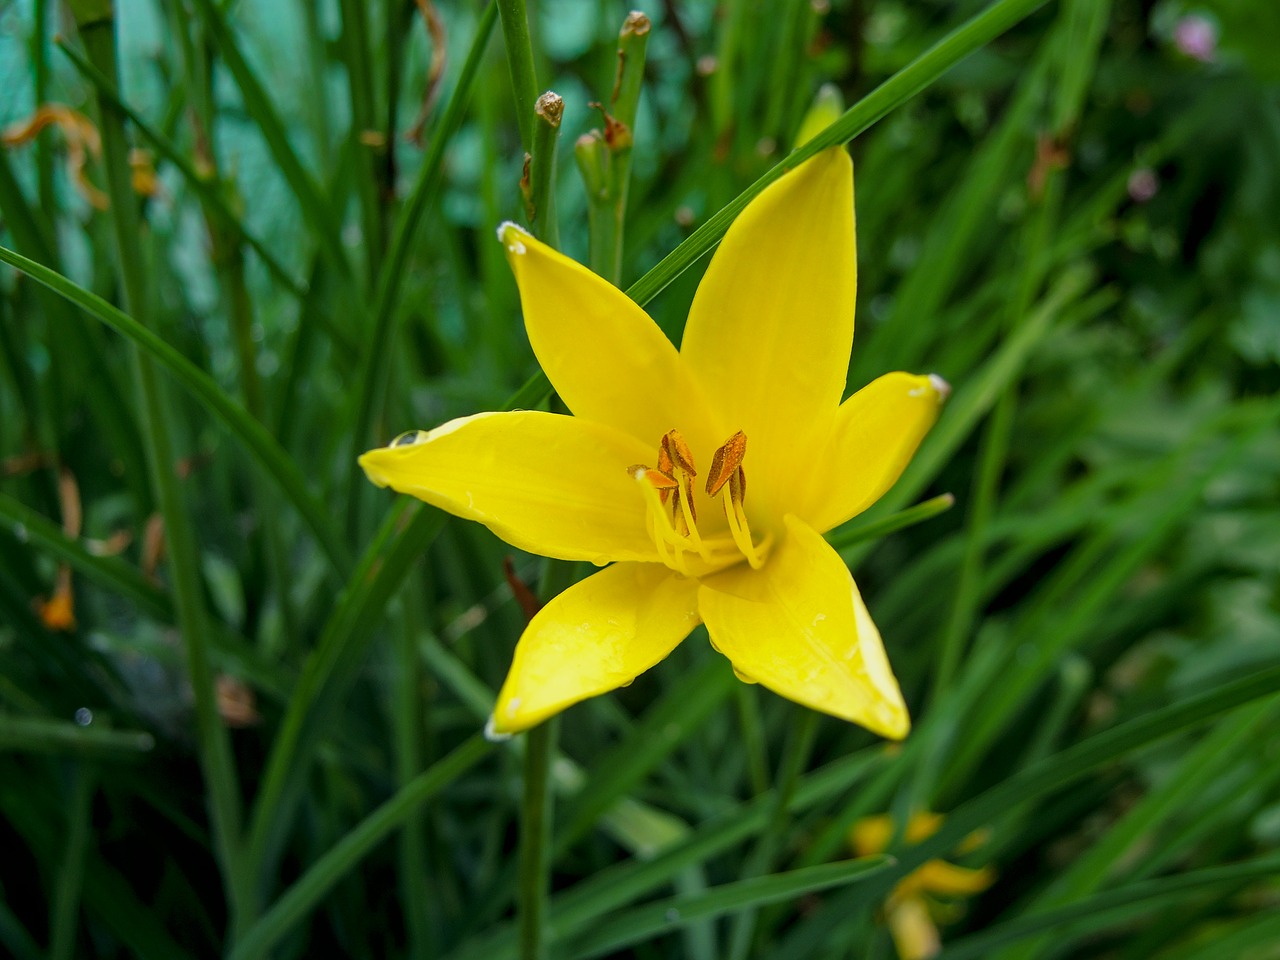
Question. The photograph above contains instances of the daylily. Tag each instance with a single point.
(912, 906)
(703, 477)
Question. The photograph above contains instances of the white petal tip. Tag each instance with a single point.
(940, 385)
(491, 732)
(509, 234)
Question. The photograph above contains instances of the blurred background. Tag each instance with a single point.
(240, 695)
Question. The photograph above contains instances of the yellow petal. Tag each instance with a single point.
(798, 626)
(607, 359)
(875, 435)
(771, 325)
(545, 483)
(948, 880)
(871, 835)
(923, 825)
(914, 934)
(596, 636)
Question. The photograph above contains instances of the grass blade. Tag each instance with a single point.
(305, 894)
(653, 920)
(271, 457)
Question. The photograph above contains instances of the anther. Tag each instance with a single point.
(727, 463)
(674, 450)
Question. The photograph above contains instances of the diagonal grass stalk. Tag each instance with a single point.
(897, 90)
(274, 461)
(307, 891)
(375, 359)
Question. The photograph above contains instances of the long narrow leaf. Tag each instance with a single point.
(271, 457)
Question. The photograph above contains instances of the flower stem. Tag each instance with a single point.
(538, 185)
(604, 157)
(535, 841)
(524, 78)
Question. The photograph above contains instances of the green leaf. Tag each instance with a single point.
(653, 920)
(305, 894)
(271, 457)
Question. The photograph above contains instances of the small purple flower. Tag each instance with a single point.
(1197, 37)
(1143, 185)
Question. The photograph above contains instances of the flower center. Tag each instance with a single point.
(672, 515)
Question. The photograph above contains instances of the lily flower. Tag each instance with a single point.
(703, 477)
(912, 909)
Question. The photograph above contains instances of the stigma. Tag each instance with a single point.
(671, 512)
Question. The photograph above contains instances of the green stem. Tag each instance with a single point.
(753, 741)
(604, 157)
(761, 861)
(540, 192)
(309, 890)
(204, 188)
(354, 44)
(312, 200)
(373, 375)
(64, 921)
(535, 841)
(909, 517)
(96, 23)
(898, 89)
(994, 450)
(40, 85)
(407, 721)
(524, 78)
(317, 111)
(275, 462)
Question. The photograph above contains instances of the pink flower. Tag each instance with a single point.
(1197, 37)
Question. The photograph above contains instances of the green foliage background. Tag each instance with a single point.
(1077, 224)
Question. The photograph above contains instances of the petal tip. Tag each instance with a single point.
(513, 236)
(369, 464)
(940, 385)
(492, 733)
(897, 727)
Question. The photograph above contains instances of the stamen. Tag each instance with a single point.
(671, 511)
(726, 468)
(674, 449)
(726, 461)
(664, 534)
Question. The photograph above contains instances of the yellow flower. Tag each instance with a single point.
(910, 909)
(704, 477)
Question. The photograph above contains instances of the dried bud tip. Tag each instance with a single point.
(636, 24)
(550, 107)
(940, 385)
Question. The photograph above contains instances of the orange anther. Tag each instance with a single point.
(661, 481)
(726, 463)
(676, 451)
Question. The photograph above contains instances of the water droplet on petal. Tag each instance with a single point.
(742, 676)
(406, 439)
(84, 716)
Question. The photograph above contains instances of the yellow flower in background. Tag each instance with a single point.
(911, 910)
(704, 477)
